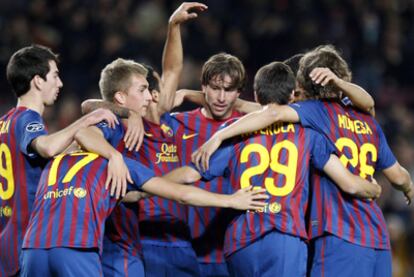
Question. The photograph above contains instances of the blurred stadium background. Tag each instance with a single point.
(376, 38)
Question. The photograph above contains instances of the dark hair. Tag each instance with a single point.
(224, 64)
(322, 56)
(25, 64)
(293, 62)
(152, 81)
(274, 83)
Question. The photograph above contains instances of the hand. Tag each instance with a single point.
(248, 199)
(179, 98)
(323, 75)
(135, 132)
(135, 196)
(183, 13)
(409, 194)
(118, 176)
(99, 115)
(201, 157)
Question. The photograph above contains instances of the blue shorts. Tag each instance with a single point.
(275, 254)
(69, 262)
(336, 257)
(213, 270)
(169, 261)
(116, 261)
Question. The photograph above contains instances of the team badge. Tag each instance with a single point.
(275, 207)
(80, 192)
(167, 130)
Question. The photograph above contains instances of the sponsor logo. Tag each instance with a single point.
(6, 211)
(35, 127)
(59, 193)
(168, 154)
(188, 136)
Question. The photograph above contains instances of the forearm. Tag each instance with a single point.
(183, 175)
(249, 123)
(245, 106)
(53, 144)
(94, 104)
(194, 96)
(399, 178)
(172, 65)
(359, 97)
(92, 140)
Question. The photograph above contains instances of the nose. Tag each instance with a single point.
(60, 84)
(221, 95)
(147, 95)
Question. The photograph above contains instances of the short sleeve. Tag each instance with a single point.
(140, 174)
(321, 150)
(30, 125)
(312, 114)
(107, 131)
(385, 156)
(218, 165)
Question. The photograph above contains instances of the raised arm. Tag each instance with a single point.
(359, 97)
(48, 146)
(348, 182)
(249, 123)
(401, 180)
(172, 60)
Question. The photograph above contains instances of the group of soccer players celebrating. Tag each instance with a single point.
(281, 187)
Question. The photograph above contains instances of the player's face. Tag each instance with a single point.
(51, 87)
(138, 97)
(220, 97)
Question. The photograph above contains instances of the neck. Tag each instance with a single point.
(31, 101)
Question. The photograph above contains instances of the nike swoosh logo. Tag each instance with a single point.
(148, 134)
(185, 136)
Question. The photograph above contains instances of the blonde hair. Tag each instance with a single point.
(116, 76)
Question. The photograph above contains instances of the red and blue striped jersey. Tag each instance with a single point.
(72, 204)
(122, 225)
(161, 221)
(207, 225)
(277, 158)
(363, 149)
(20, 170)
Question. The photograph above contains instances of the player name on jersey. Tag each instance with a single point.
(4, 127)
(274, 129)
(355, 126)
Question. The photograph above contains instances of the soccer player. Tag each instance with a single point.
(271, 242)
(65, 232)
(164, 231)
(25, 143)
(222, 78)
(337, 221)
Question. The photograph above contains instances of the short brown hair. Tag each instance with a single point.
(116, 76)
(224, 64)
(322, 56)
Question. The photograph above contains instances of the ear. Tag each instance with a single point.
(120, 98)
(292, 96)
(37, 82)
(255, 97)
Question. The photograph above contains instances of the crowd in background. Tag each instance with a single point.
(375, 37)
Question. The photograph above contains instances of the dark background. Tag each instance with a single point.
(375, 37)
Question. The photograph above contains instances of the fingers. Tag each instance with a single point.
(205, 160)
(140, 140)
(195, 158)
